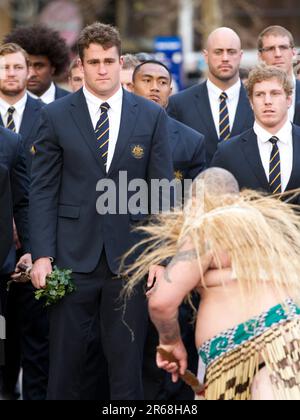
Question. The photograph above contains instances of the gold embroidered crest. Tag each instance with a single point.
(179, 176)
(138, 152)
(33, 150)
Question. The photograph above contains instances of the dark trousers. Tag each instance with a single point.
(10, 302)
(34, 344)
(122, 330)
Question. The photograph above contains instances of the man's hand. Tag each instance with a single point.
(41, 269)
(179, 352)
(156, 273)
(25, 260)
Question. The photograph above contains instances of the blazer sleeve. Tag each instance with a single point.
(44, 190)
(160, 166)
(20, 189)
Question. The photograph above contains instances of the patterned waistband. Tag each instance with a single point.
(229, 340)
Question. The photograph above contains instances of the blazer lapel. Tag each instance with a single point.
(1, 121)
(242, 114)
(82, 119)
(204, 111)
(294, 181)
(251, 151)
(28, 119)
(128, 122)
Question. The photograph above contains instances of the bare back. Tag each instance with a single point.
(222, 307)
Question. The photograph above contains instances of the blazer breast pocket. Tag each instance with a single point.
(68, 212)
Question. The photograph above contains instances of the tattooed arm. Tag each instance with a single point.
(174, 283)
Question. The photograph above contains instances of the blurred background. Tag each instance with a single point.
(173, 30)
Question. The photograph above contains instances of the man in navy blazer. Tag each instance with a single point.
(250, 157)
(153, 81)
(99, 136)
(276, 47)
(48, 56)
(21, 114)
(199, 106)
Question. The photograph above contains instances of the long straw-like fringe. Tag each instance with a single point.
(231, 376)
(260, 234)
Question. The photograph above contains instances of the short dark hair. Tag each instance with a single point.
(99, 33)
(42, 40)
(158, 63)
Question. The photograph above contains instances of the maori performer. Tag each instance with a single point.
(241, 252)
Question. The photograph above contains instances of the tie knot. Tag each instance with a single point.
(223, 96)
(274, 140)
(11, 110)
(104, 107)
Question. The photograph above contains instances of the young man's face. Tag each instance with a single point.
(278, 52)
(101, 70)
(153, 82)
(41, 74)
(270, 104)
(76, 79)
(13, 74)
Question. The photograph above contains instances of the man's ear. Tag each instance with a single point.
(80, 64)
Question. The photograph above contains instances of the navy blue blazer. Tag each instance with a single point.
(241, 157)
(60, 93)
(192, 107)
(188, 150)
(29, 125)
(12, 156)
(66, 168)
(6, 214)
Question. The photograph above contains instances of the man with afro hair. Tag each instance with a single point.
(48, 56)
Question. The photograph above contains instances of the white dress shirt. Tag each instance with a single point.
(293, 106)
(17, 115)
(114, 115)
(285, 146)
(48, 97)
(214, 94)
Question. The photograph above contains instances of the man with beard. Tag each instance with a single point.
(219, 107)
(20, 114)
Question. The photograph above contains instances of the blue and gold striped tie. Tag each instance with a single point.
(102, 133)
(275, 171)
(224, 125)
(10, 119)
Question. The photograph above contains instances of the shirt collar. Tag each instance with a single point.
(96, 102)
(284, 134)
(48, 97)
(19, 106)
(232, 92)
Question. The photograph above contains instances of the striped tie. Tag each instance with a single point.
(275, 172)
(10, 119)
(224, 125)
(102, 133)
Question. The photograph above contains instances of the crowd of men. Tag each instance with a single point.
(55, 146)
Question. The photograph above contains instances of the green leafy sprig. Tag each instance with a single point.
(58, 284)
